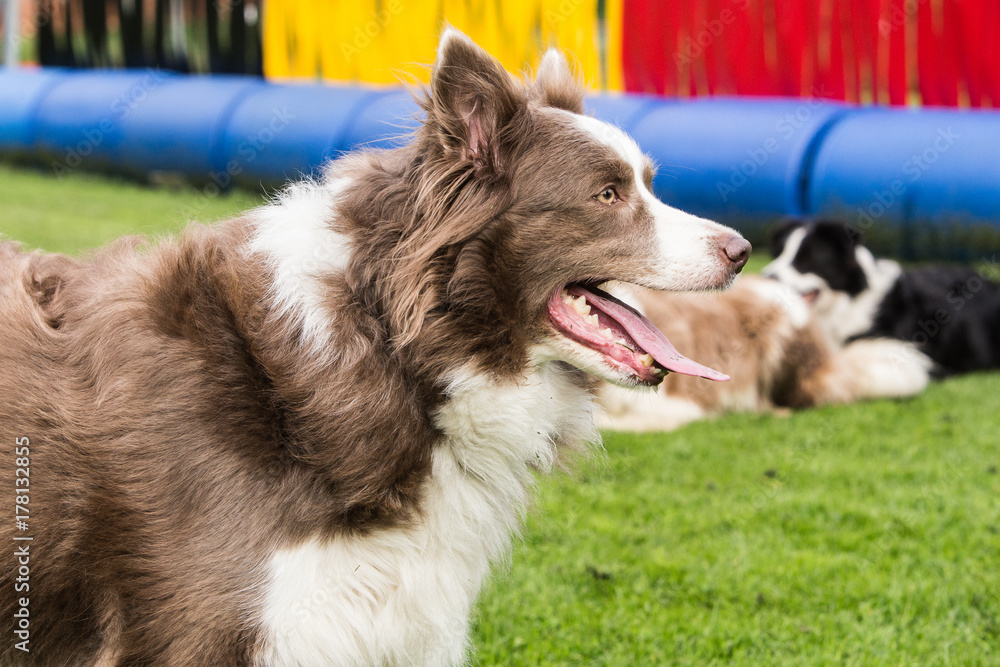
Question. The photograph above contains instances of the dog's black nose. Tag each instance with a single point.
(736, 249)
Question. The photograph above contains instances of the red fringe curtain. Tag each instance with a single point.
(931, 52)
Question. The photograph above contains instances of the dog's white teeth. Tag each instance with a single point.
(581, 306)
(646, 360)
(592, 319)
(606, 333)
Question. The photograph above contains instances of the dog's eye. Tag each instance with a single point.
(607, 196)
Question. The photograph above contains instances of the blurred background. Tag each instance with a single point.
(877, 112)
(930, 52)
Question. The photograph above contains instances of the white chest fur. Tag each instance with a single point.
(404, 596)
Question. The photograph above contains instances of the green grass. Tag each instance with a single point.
(81, 211)
(859, 535)
(758, 260)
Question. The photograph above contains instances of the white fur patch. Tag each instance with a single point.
(404, 596)
(689, 246)
(295, 238)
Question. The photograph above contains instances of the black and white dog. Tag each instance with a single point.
(952, 314)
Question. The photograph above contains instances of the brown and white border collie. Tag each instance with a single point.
(301, 437)
(772, 344)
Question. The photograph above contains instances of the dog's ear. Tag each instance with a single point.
(556, 84)
(473, 98)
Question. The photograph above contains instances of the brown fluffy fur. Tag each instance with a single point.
(181, 429)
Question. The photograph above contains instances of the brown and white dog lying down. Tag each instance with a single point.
(769, 341)
(301, 437)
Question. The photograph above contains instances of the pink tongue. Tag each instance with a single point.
(648, 336)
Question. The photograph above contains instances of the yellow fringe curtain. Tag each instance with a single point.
(383, 41)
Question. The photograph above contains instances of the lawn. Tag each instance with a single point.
(859, 535)
(80, 211)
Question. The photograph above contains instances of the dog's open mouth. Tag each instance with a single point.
(626, 338)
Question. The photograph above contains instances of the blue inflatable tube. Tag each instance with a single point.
(735, 159)
(72, 119)
(283, 132)
(181, 124)
(623, 110)
(20, 94)
(746, 162)
(890, 167)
